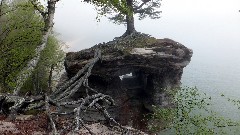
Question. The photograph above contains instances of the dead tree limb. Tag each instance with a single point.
(62, 99)
(80, 121)
(73, 85)
(17, 104)
(48, 112)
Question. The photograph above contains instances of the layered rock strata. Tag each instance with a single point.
(136, 71)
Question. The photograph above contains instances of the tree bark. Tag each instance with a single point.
(50, 79)
(130, 19)
(27, 71)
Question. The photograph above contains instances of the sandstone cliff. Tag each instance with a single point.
(135, 71)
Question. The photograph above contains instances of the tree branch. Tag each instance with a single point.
(83, 104)
(36, 6)
(50, 116)
(141, 5)
(27, 71)
(74, 86)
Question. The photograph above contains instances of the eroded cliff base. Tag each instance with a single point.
(136, 71)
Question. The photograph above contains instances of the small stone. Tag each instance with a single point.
(24, 117)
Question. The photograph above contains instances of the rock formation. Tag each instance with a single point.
(136, 71)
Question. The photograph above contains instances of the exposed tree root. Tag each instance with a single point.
(61, 98)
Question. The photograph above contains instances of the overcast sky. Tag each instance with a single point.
(186, 21)
(210, 27)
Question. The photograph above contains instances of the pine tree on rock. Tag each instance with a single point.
(125, 10)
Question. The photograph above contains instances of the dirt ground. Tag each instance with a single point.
(24, 125)
(38, 125)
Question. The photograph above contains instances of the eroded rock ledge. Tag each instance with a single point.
(134, 70)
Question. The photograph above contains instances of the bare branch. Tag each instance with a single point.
(36, 6)
(76, 85)
(50, 116)
(141, 5)
(83, 104)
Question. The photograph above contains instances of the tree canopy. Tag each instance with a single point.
(22, 29)
(123, 11)
(20, 34)
(47, 72)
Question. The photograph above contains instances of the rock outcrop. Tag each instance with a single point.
(135, 71)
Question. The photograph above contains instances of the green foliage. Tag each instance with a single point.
(116, 5)
(20, 33)
(32, 112)
(117, 10)
(192, 114)
(105, 7)
(126, 44)
(235, 102)
(48, 68)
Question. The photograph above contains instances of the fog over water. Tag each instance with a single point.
(210, 27)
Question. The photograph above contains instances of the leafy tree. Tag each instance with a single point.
(20, 34)
(23, 32)
(192, 115)
(47, 17)
(47, 14)
(48, 68)
(124, 12)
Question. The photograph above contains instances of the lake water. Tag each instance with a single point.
(210, 28)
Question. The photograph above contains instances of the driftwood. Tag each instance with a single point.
(60, 99)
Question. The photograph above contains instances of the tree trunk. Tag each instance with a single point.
(50, 78)
(4, 84)
(38, 82)
(34, 84)
(130, 19)
(27, 71)
(130, 24)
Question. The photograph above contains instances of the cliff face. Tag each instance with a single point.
(135, 71)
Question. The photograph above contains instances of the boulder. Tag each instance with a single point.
(136, 71)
